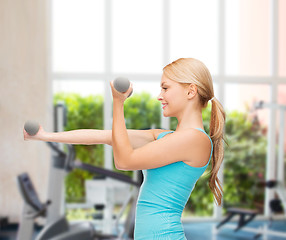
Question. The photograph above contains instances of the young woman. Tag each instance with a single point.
(172, 161)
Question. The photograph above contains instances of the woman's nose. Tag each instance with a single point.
(160, 97)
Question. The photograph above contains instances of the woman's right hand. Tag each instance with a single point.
(38, 135)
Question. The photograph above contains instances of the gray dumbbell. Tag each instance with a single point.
(32, 127)
(122, 84)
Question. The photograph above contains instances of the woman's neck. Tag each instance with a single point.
(193, 120)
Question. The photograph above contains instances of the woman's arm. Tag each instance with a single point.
(121, 143)
(188, 146)
(138, 138)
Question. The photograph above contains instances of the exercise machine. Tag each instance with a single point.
(60, 229)
(277, 185)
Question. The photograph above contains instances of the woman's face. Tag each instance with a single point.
(173, 97)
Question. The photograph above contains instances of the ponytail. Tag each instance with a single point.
(217, 123)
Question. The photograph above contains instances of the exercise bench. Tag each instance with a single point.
(243, 213)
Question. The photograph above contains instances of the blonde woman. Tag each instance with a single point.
(172, 161)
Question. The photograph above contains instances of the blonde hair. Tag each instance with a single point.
(190, 70)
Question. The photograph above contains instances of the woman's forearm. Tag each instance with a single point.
(137, 138)
(122, 147)
(81, 136)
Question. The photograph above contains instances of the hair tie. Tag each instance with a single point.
(212, 99)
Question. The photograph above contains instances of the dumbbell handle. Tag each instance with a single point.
(32, 127)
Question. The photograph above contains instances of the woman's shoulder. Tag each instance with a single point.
(195, 142)
(198, 134)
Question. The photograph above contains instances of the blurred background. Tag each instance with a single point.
(67, 52)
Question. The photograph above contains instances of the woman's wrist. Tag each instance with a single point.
(44, 136)
(118, 103)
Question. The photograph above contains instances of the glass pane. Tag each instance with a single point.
(84, 101)
(151, 87)
(244, 161)
(142, 109)
(248, 37)
(78, 36)
(282, 37)
(137, 36)
(81, 87)
(193, 34)
(241, 96)
(232, 25)
(281, 98)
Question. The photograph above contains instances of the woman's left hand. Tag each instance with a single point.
(118, 96)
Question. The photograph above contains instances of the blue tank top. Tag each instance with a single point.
(162, 199)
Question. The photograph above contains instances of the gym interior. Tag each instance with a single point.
(57, 59)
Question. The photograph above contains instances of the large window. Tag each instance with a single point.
(78, 36)
(194, 31)
(95, 41)
(136, 36)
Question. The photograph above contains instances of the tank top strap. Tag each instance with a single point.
(162, 134)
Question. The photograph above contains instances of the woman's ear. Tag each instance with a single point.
(192, 90)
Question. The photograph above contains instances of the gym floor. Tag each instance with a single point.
(197, 231)
(205, 231)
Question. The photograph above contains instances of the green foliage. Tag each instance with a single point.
(142, 112)
(83, 113)
(244, 159)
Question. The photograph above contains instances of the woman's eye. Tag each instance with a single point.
(165, 88)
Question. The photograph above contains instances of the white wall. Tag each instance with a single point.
(25, 93)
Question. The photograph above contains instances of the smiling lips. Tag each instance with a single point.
(164, 104)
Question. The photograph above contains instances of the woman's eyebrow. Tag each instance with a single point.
(163, 83)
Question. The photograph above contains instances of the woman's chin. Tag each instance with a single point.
(165, 114)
